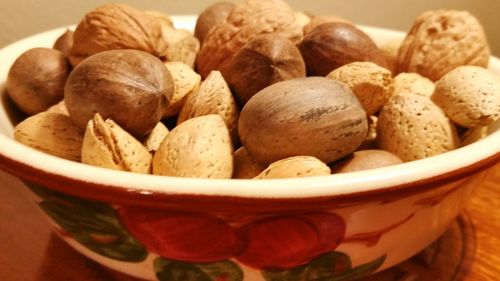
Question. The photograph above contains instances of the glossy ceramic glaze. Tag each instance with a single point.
(335, 228)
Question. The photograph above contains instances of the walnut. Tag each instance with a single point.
(442, 40)
(252, 18)
(116, 26)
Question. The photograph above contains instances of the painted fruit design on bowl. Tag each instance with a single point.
(195, 246)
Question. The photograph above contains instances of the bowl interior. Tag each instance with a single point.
(357, 182)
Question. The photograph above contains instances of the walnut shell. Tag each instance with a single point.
(246, 21)
(116, 26)
(334, 44)
(442, 40)
(265, 60)
(281, 120)
(129, 86)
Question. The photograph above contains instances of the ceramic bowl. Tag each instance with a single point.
(339, 227)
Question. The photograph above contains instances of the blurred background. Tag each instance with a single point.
(21, 18)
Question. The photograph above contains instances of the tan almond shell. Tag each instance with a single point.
(295, 167)
(213, 97)
(107, 145)
(441, 40)
(116, 26)
(59, 107)
(470, 96)
(156, 137)
(245, 165)
(475, 134)
(413, 127)
(372, 84)
(182, 46)
(52, 133)
(247, 20)
(186, 81)
(197, 148)
(412, 83)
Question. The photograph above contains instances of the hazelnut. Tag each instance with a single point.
(332, 45)
(212, 16)
(64, 43)
(116, 26)
(281, 120)
(36, 79)
(263, 61)
(129, 86)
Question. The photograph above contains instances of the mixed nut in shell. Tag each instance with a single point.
(233, 100)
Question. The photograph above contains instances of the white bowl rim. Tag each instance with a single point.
(327, 186)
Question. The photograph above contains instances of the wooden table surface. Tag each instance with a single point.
(30, 252)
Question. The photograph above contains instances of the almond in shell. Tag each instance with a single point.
(213, 97)
(245, 165)
(197, 148)
(295, 167)
(52, 133)
(107, 145)
(186, 81)
(413, 127)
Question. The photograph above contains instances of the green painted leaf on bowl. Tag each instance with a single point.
(167, 270)
(93, 224)
(333, 266)
(361, 271)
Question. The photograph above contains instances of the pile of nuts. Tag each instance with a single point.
(258, 91)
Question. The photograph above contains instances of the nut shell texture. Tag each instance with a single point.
(371, 83)
(197, 148)
(442, 40)
(127, 86)
(312, 116)
(334, 44)
(52, 133)
(413, 127)
(470, 96)
(36, 79)
(263, 61)
(116, 26)
(251, 18)
(107, 145)
(295, 167)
